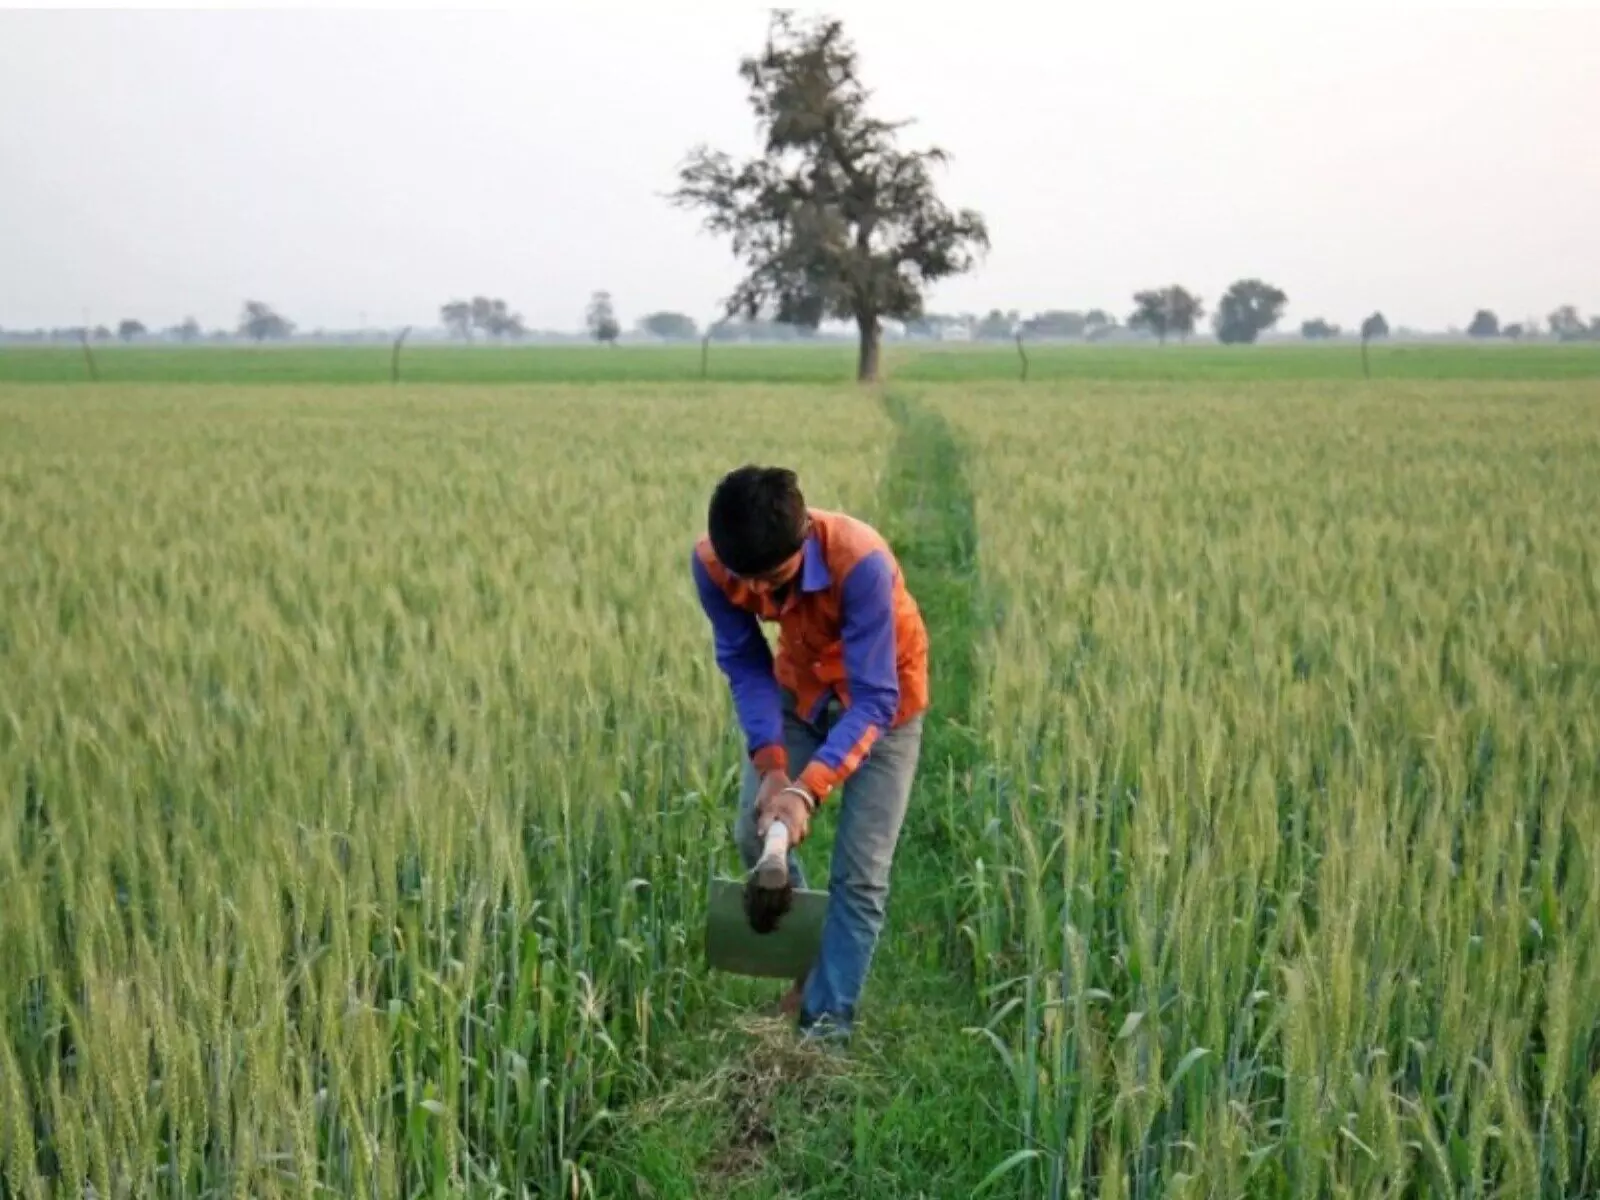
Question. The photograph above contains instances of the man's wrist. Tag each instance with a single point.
(817, 780)
(800, 789)
(771, 758)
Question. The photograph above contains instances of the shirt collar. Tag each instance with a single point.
(814, 574)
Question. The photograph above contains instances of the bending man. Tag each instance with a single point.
(836, 715)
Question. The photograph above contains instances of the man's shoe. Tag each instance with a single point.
(825, 1034)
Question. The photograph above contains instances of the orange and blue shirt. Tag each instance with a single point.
(847, 628)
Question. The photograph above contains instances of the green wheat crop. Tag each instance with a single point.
(1281, 872)
(819, 363)
(362, 764)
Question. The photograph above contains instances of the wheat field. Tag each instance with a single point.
(1291, 713)
(363, 764)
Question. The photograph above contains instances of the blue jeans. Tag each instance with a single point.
(871, 807)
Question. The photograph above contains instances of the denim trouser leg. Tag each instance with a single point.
(871, 809)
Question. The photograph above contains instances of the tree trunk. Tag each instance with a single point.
(88, 356)
(867, 359)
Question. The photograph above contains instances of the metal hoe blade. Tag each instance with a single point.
(731, 945)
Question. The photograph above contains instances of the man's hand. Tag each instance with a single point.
(781, 799)
(772, 783)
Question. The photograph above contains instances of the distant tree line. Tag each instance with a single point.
(833, 221)
(1249, 308)
(1565, 324)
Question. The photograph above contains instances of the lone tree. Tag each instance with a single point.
(129, 328)
(832, 219)
(259, 321)
(602, 318)
(1484, 324)
(1166, 311)
(1247, 310)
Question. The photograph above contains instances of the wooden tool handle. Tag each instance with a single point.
(772, 871)
(777, 843)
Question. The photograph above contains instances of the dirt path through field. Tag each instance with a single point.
(916, 1106)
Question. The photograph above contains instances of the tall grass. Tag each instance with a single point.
(1282, 878)
(362, 763)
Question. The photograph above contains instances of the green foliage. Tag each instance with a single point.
(832, 219)
(457, 318)
(1165, 312)
(1248, 309)
(1484, 324)
(260, 322)
(1098, 322)
(362, 764)
(1567, 325)
(1276, 866)
(601, 318)
(491, 315)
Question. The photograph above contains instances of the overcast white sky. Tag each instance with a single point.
(1420, 160)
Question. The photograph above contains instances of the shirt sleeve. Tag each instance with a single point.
(871, 671)
(744, 657)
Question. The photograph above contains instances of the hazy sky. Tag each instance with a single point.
(1413, 158)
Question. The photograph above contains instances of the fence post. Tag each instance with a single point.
(88, 356)
(394, 357)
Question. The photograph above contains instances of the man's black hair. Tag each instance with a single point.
(757, 519)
